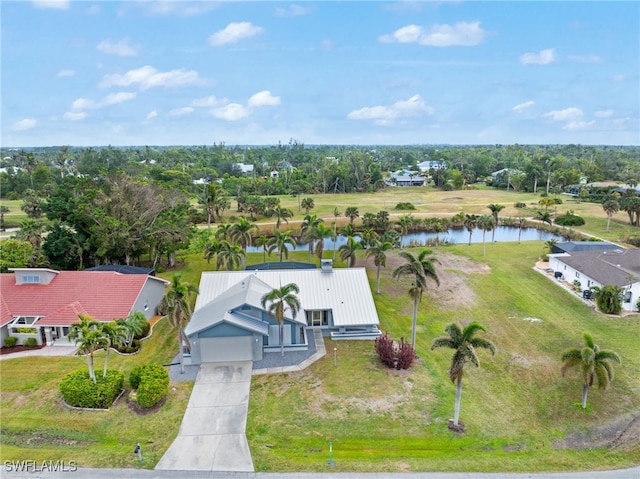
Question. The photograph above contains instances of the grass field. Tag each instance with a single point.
(517, 407)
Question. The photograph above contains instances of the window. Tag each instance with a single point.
(317, 318)
(31, 278)
(627, 297)
(577, 274)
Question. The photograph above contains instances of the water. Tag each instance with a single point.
(453, 236)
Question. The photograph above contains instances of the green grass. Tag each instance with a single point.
(15, 216)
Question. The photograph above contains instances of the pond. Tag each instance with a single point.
(453, 236)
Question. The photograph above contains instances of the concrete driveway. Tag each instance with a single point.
(212, 434)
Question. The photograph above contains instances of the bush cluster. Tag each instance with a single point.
(392, 355)
(569, 219)
(78, 390)
(152, 383)
(30, 342)
(134, 348)
(520, 205)
(10, 341)
(405, 206)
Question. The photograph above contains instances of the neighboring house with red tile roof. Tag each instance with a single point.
(617, 267)
(43, 303)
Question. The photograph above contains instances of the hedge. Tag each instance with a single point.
(10, 341)
(78, 390)
(152, 383)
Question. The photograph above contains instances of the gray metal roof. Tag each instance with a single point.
(575, 246)
(610, 267)
(345, 291)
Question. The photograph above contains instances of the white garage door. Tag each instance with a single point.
(237, 348)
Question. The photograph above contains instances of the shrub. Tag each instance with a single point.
(385, 350)
(405, 206)
(153, 385)
(30, 342)
(394, 356)
(520, 205)
(134, 377)
(78, 390)
(10, 341)
(569, 219)
(405, 355)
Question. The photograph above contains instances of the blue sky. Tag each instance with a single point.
(193, 73)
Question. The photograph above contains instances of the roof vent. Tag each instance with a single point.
(326, 265)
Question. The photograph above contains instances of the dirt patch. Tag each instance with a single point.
(453, 272)
(40, 438)
(620, 433)
(144, 411)
(19, 349)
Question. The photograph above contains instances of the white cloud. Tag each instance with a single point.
(81, 104)
(292, 10)
(65, 73)
(578, 125)
(234, 32)
(584, 58)
(53, 4)
(25, 124)
(543, 57)
(263, 98)
(386, 115)
(231, 112)
(521, 106)
(207, 101)
(603, 114)
(148, 77)
(75, 115)
(187, 110)
(152, 114)
(461, 34)
(181, 7)
(122, 48)
(568, 114)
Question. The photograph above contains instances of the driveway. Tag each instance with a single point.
(212, 434)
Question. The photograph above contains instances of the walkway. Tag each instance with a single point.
(212, 434)
(46, 351)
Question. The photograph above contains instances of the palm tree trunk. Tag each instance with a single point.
(92, 373)
(585, 391)
(281, 328)
(608, 221)
(484, 247)
(415, 322)
(378, 280)
(106, 362)
(470, 233)
(456, 408)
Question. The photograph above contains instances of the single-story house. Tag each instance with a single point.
(405, 178)
(43, 303)
(229, 322)
(617, 267)
(576, 246)
(427, 165)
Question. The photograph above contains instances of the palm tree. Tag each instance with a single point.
(223, 231)
(3, 211)
(116, 335)
(348, 251)
(404, 223)
(485, 223)
(89, 337)
(212, 249)
(307, 204)
(179, 310)
(230, 256)
(278, 300)
(261, 242)
(336, 213)
(135, 325)
(544, 216)
(520, 222)
(319, 233)
(31, 230)
(594, 362)
(439, 226)
(280, 240)
(548, 246)
(352, 213)
(495, 209)
(610, 207)
(241, 233)
(421, 269)
(309, 223)
(470, 222)
(281, 214)
(379, 252)
(465, 345)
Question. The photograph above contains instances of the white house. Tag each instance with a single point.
(229, 322)
(618, 267)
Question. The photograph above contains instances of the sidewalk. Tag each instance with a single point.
(46, 351)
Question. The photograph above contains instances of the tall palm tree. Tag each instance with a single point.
(262, 242)
(281, 214)
(223, 231)
(241, 233)
(230, 256)
(465, 345)
(278, 300)
(520, 222)
(179, 310)
(336, 213)
(348, 251)
(309, 223)
(610, 207)
(495, 209)
(485, 223)
(321, 232)
(115, 335)
(281, 240)
(379, 252)
(421, 268)
(307, 204)
(470, 222)
(545, 217)
(211, 249)
(594, 362)
(352, 213)
(89, 338)
(404, 223)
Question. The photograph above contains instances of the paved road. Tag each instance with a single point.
(633, 473)
(212, 434)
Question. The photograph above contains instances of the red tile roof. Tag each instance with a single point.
(104, 296)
